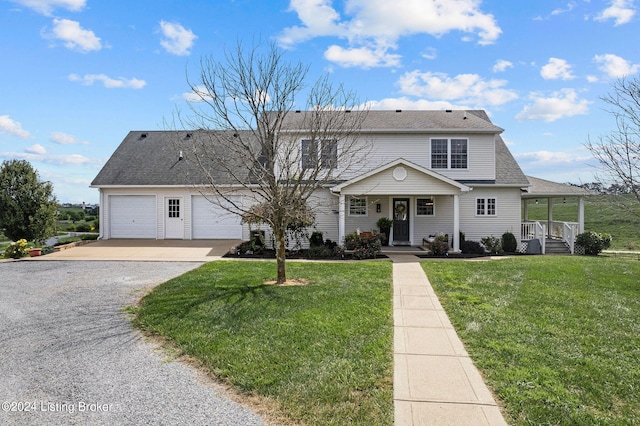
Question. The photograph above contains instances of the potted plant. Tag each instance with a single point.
(385, 224)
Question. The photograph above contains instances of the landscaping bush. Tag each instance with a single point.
(316, 240)
(472, 247)
(439, 246)
(509, 242)
(364, 246)
(89, 237)
(47, 250)
(492, 244)
(593, 242)
(319, 252)
(17, 249)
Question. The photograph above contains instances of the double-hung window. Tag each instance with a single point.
(319, 154)
(357, 206)
(485, 206)
(425, 207)
(449, 153)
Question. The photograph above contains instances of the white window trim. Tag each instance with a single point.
(448, 153)
(475, 206)
(366, 206)
(421, 198)
(318, 154)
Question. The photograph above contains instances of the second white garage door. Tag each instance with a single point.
(210, 221)
(133, 216)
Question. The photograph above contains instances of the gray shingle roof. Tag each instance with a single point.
(401, 120)
(152, 159)
(546, 188)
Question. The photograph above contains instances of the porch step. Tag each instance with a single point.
(557, 247)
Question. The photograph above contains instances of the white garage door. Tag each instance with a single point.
(133, 216)
(210, 221)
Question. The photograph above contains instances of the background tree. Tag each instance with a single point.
(619, 152)
(27, 205)
(246, 104)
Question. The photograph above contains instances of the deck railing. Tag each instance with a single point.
(532, 231)
(565, 231)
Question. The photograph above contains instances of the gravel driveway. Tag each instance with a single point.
(68, 354)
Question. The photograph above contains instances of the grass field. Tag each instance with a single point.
(557, 338)
(600, 216)
(321, 352)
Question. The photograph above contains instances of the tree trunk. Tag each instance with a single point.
(280, 257)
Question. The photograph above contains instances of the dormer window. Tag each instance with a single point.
(449, 153)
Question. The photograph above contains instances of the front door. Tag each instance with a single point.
(401, 220)
(174, 222)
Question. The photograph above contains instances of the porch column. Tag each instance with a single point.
(456, 223)
(549, 216)
(341, 218)
(580, 215)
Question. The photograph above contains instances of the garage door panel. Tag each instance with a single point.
(133, 216)
(211, 221)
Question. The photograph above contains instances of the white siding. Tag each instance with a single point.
(416, 148)
(507, 216)
(415, 182)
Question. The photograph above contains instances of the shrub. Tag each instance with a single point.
(472, 247)
(350, 241)
(316, 240)
(593, 242)
(509, 242)
(439, 246)
(83, 227)
(47, 250)
(366, 246)
(89, 237)
(17, 249)
(319, 252)
(492, 244)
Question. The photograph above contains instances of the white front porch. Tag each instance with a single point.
(419, 201)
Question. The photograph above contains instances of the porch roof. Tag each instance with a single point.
(401, 177)
(541, 188)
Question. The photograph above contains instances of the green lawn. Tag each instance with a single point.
(557, 338)
(322, 352)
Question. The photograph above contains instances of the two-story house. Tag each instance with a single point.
(430, 171)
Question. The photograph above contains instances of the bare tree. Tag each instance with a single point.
(619, 152)
(254, 142)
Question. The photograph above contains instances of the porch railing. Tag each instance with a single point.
(534, 230)
(565, 231)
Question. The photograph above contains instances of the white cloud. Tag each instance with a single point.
(362, 57)
(464, 88)
(12, 127)
(108, 82)
(380, 23)
(556, 69)
(614, 66)
(501, 65)
(36, 149)
(560, 11)
(177, 39)
(562, 104)
(552, 157)
(621, 11)
(430, 53)
(199, 94)
(74, 36)
(45, 7)
(65, 139)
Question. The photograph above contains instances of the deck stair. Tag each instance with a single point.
(557, 247)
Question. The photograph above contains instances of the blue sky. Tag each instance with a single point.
(78, 75)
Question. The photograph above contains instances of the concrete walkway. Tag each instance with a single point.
(434, 380)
